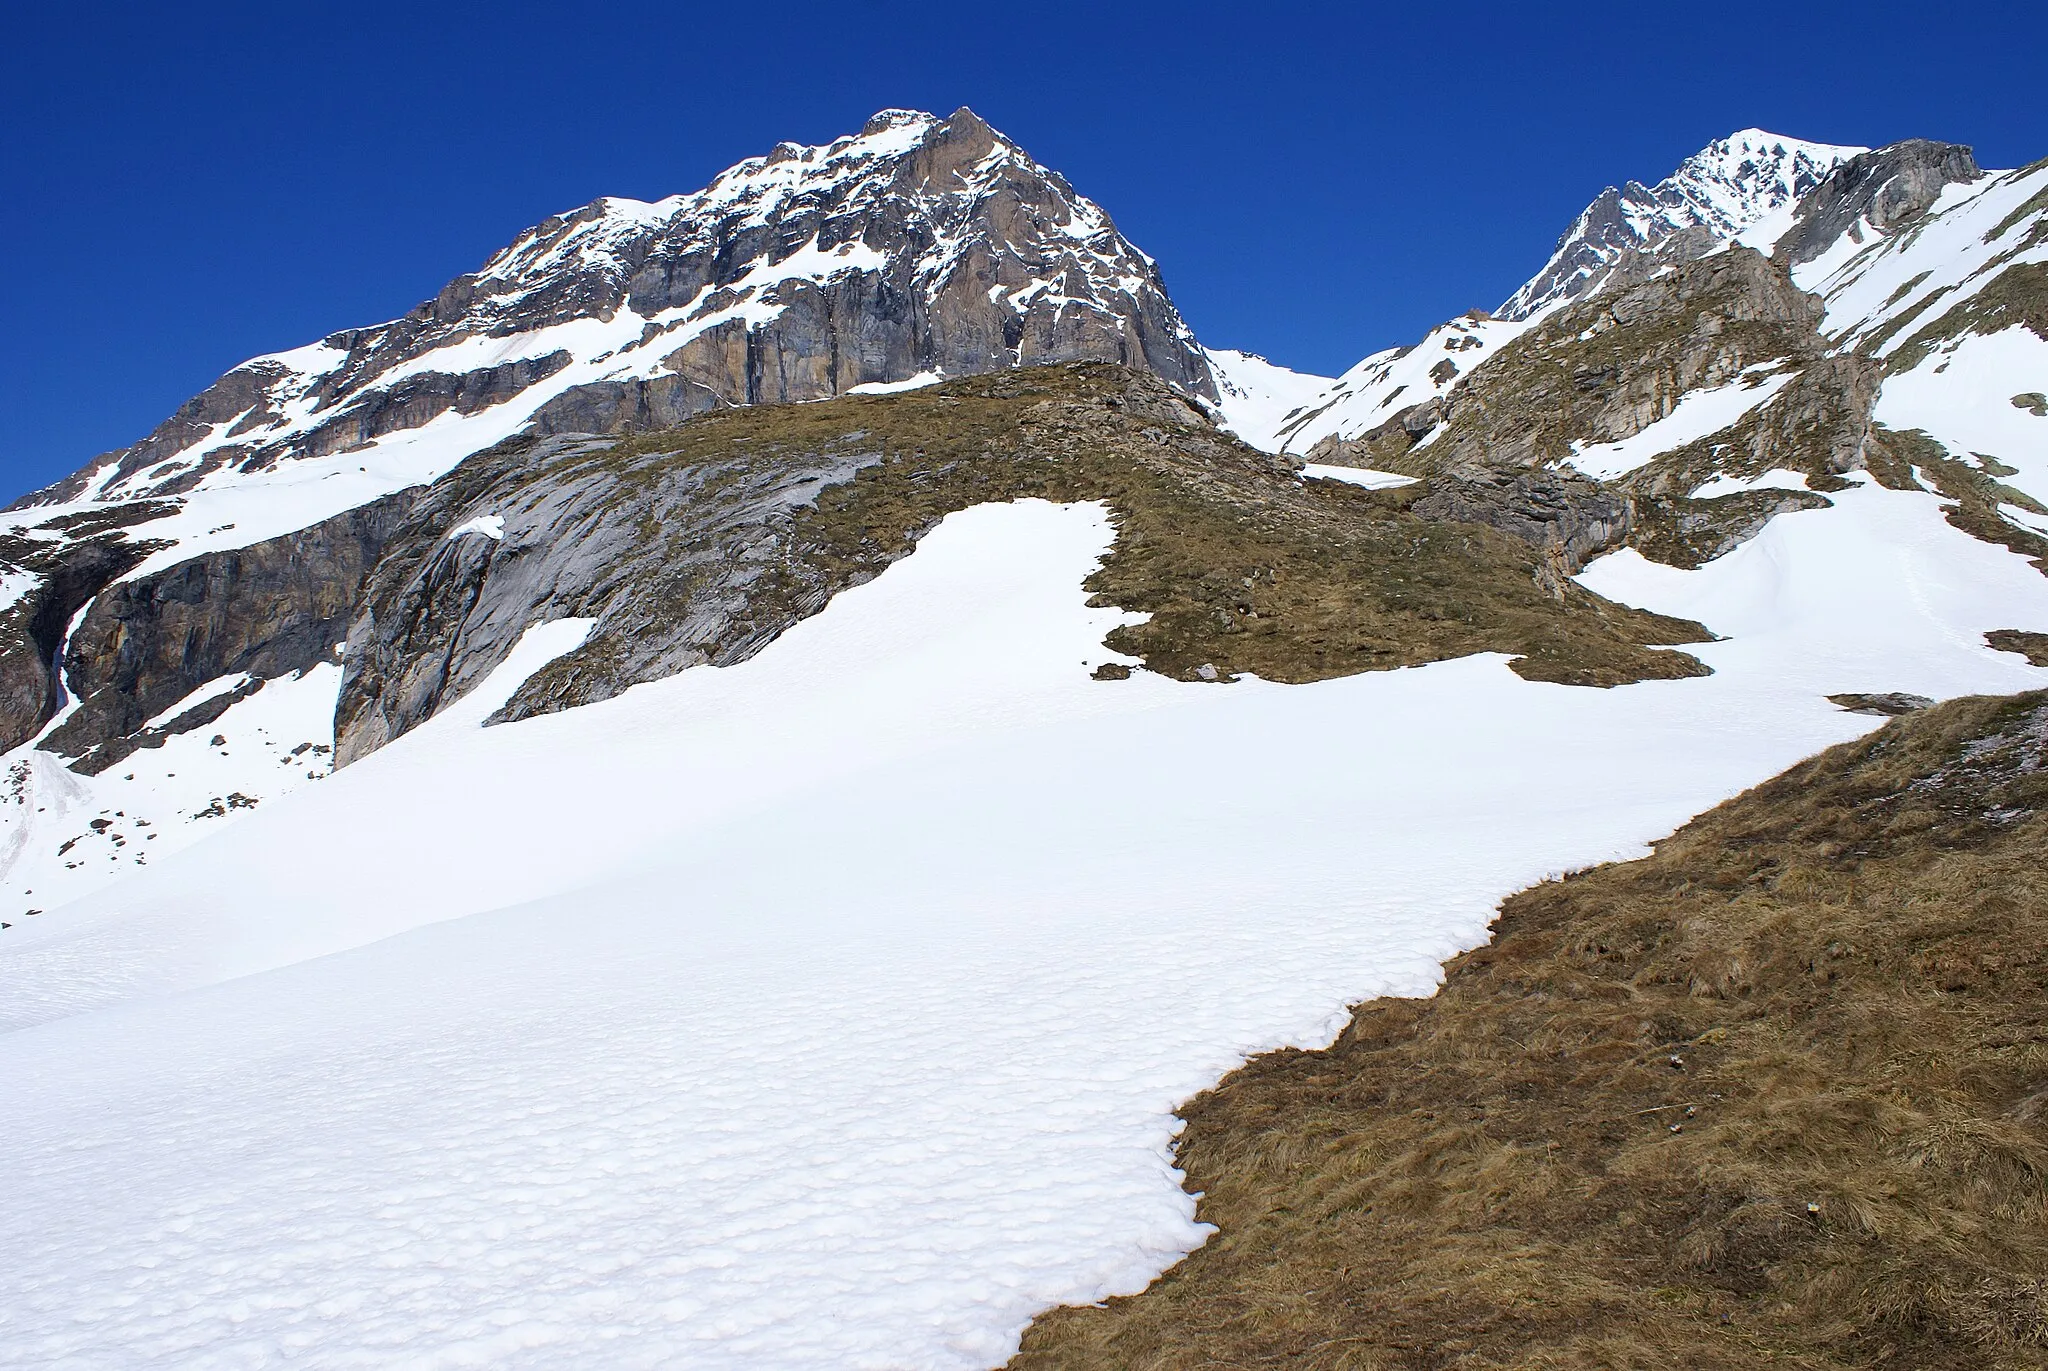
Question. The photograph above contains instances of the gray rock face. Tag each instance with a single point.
(1609, 366)
(67, 572)
(920, 246)
(270, 609)
(1887, 704)
(1666, 324)
(624, 406)
(1819, 424)
(1567, 518)
(665, 557)
(1882, 189)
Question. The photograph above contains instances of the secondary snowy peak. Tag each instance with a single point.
(1728, 186)
(919, 246)
(1746, 184)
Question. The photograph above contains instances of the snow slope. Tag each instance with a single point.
(1698, 414)
(1257, 398)
(1963, 390)
(64, 835)
(831, 1009)
(1974, 231)
(1376, 390)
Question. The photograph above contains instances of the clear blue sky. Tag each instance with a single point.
(188, 186)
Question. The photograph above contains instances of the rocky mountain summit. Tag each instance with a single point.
(1727, 187)
(919, 247)
(916, 249)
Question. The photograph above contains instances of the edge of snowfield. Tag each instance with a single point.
(832, 1009)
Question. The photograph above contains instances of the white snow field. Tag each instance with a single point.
(831, 1010)
(1258, 398)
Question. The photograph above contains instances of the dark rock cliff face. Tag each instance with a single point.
(65, 562)
(269, 609)
(920, 246)
(1882, 189)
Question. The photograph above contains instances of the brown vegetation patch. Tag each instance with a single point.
(2032, 646)
(1240, 564)
(1894, 454)
(1773, 1094)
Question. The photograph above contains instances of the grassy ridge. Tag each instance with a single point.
(1773, 1095)
(1242, 565)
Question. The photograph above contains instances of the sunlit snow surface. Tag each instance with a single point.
(1963, 395)
(830, 1010)
(1259, 399)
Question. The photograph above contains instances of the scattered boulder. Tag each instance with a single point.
(1888, 704)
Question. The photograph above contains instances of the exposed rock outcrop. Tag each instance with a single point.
(666, 556)
(269, 609)
(1875, 190)
(624, 406)
(1568, 519)
(1609, 366)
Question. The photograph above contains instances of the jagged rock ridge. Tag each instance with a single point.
(1726, 187)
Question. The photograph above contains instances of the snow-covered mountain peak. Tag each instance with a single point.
(1725, 188)
(1734, 181)
(917, 247)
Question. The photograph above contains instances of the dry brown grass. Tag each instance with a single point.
(1773, 1095)
(1241, 565)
